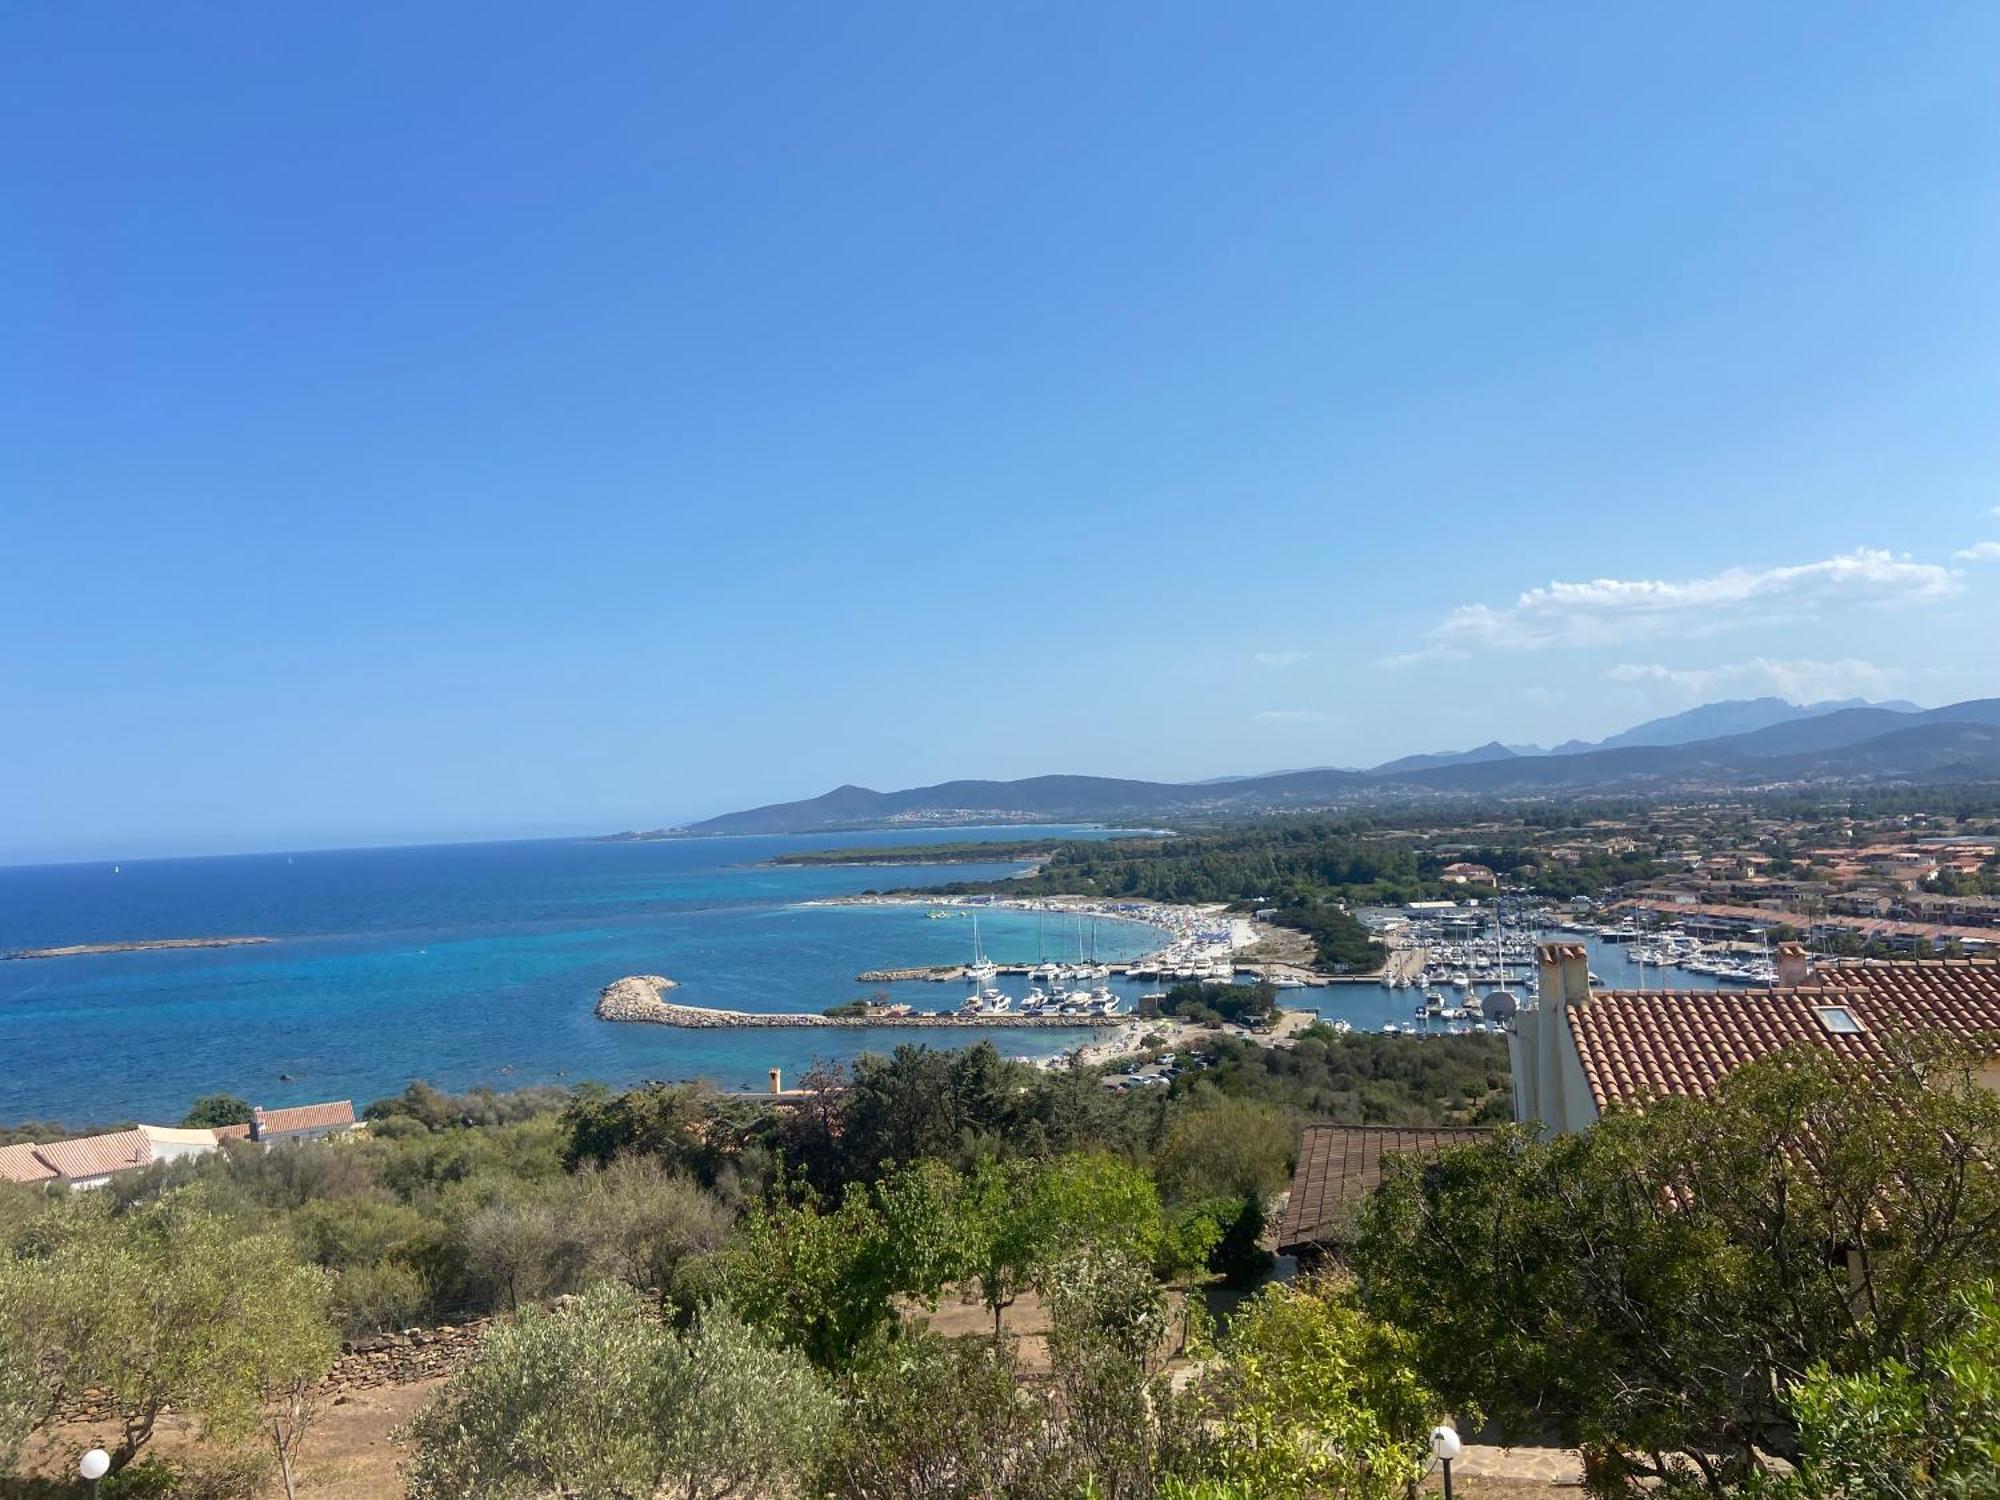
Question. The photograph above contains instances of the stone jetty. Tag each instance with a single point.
(640, 997)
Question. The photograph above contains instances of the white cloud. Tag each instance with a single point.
(1292, 716)
(1978, 552)
(1798, 681)
(1609, 611)
(1281, 658)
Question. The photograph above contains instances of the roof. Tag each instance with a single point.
(1639, 1045)
(1340, 1165)
(96, 1155)
(174, 1135)
(21, 1164)
(231, 1133)
(337, 1115)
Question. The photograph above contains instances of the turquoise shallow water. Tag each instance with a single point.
(471, 964)
(462, 964)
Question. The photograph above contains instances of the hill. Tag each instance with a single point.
(1819, 743)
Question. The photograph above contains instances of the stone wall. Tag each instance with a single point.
(363, 1364)
(399, 1358)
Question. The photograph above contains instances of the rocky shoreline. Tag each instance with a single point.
(638, 997)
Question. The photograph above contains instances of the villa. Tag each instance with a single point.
(1576, 1053)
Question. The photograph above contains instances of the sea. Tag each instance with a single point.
(479, 964)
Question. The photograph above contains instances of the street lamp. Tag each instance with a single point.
(93, 1466)
(1445, 1446)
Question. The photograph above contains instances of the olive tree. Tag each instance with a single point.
(169, 1305)
(596, 1397)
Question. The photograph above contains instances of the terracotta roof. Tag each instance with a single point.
(270, 1122)
(95, 1155)
(21, 1164)
(1638, 1045)
(232, 1132)
(1340, 1165)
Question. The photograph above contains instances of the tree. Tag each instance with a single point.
(930, 1418)
(211, 1110)
(1017, 1217)
(1113, 1416)
(22, 1395)
(1225, 1147)
(596, 1398)
(1653, 1286)
(288, 1344)
(1308, 1398)
(168, 1305)
(1898, 1432)
(818, 1281)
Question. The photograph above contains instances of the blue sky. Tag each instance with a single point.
(441, 421)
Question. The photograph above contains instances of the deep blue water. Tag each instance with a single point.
(462, 964)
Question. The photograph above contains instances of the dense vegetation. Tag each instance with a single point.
(1685, 1291)
(1799, 1267)
(781, 1243)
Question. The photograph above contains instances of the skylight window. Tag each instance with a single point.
(1839, 1020)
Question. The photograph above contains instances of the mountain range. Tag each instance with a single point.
(1743, 744)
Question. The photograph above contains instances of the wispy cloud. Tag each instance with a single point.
(1292, 716)
(1611, 611)
(1800, 681)
(1281, 658)
(1978, 552)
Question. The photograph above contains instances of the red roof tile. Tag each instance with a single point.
(21, 1164)
(232, 1132)
(95, 1155)
(1340, 1165)
(1638, 1045)
(338, 1114)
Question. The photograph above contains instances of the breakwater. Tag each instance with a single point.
(638, 997)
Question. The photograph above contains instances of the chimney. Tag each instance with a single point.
(1794, 965)
(257, 1123)
(1562, 975)
(777, 1082)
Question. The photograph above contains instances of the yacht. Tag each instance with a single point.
(982, 970)
(988, 1002)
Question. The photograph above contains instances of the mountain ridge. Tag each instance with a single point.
(1845, 740)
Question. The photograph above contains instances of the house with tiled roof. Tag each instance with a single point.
(21, 1164)
(91, 1160)
(1576, 1052)
(304, 1122)
(1339, 1166)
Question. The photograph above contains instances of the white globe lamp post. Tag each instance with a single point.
(1445, 1446)
(93, 1466)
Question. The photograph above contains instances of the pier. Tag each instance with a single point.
(638, 997)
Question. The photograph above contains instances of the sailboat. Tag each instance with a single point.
(982, 970)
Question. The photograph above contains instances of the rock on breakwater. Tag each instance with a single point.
(637, 997)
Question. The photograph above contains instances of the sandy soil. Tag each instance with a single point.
(350, 1455)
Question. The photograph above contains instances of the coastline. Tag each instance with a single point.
(1257, 949)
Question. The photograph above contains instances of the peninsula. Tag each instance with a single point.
(142, 945)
